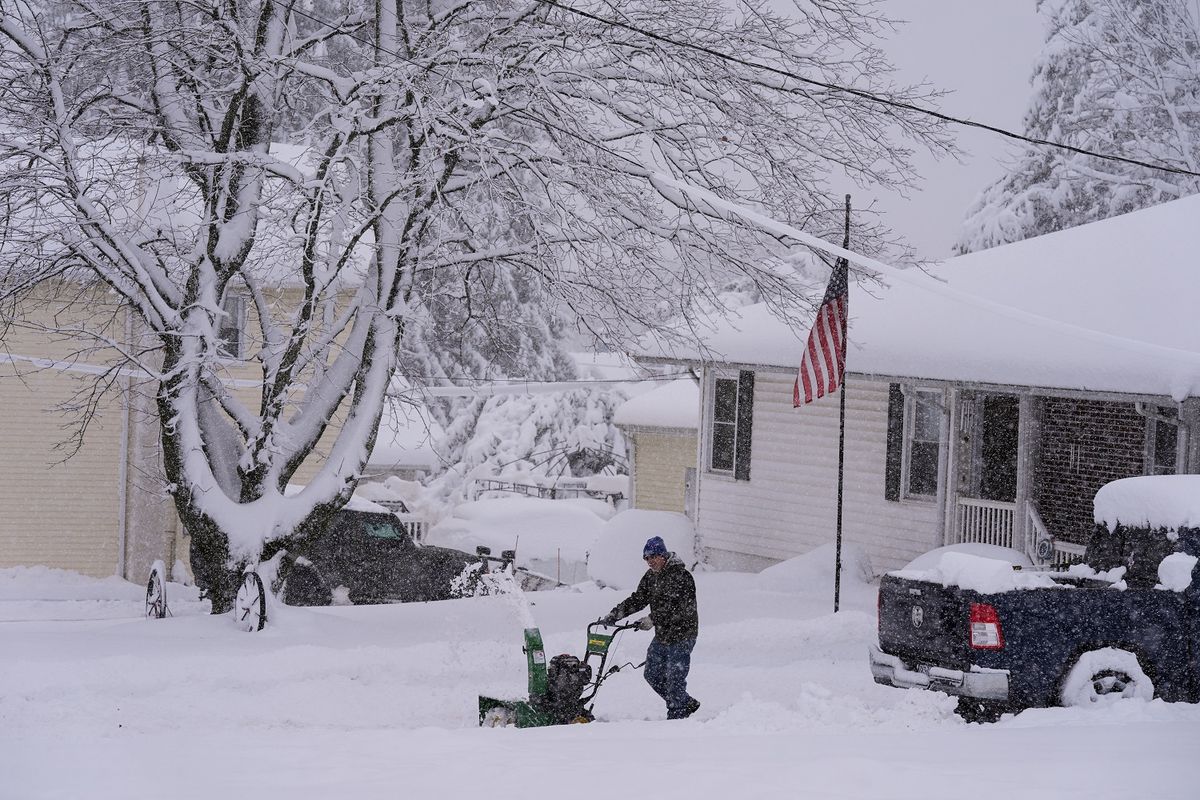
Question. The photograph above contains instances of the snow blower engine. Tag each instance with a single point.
(561, 692)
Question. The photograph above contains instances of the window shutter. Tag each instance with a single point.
(895, 443)
(745, 422)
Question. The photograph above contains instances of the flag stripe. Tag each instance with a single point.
(823, 366)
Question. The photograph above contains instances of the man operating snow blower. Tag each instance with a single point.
(669, 590)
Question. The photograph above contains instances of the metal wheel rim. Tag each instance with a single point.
(250, 604)
(156, 596)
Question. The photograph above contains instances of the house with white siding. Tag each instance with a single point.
(986, 400)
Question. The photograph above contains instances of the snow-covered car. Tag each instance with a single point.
(368, 556)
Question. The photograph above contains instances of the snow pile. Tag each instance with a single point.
(1115, 576)
(1150, 501)
(814, 570)
(46, 593)
(46, 583)
(552, 537)
(616, 558)
(984, 575)
(1006, 554)
(1175, 572)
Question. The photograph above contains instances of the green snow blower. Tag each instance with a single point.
(560, 692)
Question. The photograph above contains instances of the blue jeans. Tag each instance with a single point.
(667, 667)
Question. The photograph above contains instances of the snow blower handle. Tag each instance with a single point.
(617, 627)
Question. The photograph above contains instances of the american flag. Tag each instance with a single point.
(824, 365)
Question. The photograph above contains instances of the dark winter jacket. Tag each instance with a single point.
(671, 595)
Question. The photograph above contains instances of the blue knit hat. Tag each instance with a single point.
(655, 546)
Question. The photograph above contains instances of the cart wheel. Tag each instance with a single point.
(250, 605)
(156, 593)
(498, 717)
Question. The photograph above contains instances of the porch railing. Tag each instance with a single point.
(1060, 553)
(984, 521)
(1035, 531)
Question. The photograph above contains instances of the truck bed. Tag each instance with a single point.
(926, 626)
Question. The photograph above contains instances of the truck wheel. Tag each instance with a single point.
(983, 711)
(1104, 676)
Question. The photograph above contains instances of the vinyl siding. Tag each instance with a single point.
(58, 511)
(661, 459)
(789, 505)
(66, 512)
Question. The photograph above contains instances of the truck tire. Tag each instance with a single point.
(971, 709)
(1104, 676)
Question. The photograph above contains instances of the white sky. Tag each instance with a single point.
(982, 50)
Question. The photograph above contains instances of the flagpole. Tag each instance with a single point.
(837, 566)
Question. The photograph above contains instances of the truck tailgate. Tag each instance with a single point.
(924, 622)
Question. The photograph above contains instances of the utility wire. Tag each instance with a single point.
(860, 93)
(874, 98)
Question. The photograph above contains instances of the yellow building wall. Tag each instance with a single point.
(56, 510)
(661, 460)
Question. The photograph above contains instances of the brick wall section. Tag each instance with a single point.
(1111, 444)
(661, 461)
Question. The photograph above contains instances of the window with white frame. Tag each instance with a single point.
(1162, 438)
(730, 421)
(914, 444)
(231, 325)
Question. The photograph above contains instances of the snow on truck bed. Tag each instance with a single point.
(980, 573)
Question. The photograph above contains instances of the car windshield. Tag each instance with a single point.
(383, 530)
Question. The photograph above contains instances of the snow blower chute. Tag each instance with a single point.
(560, 692)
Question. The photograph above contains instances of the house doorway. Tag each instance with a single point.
(988, 457)
(999, 429)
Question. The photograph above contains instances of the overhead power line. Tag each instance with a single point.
(868, 96)
(860, 93)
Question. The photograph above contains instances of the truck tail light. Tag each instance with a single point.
(985, 628)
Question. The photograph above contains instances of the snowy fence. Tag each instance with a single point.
(558, 490)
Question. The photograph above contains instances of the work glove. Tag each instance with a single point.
(644, 624)
(609, 619)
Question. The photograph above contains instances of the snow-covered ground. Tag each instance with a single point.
(380, 702)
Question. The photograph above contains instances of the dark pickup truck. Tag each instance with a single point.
(1126, 623)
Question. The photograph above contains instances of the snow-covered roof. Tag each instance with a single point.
(673, 405)
(1107, 306)
(1150, 501)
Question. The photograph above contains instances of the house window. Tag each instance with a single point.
(730, 423)
(231, 326)
(1163, 437)
(913, 443)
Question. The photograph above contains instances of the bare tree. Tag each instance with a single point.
(353, 168)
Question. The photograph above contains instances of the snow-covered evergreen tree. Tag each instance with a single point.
(1117, 77)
